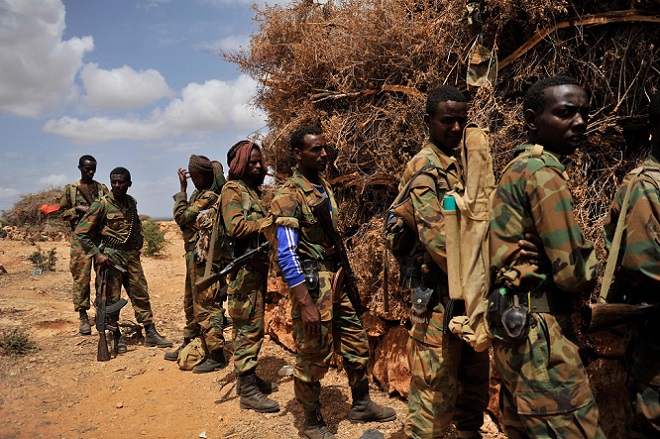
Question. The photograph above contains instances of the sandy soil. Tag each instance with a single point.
(61, 391)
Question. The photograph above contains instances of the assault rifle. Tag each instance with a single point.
(102, 312)
(345, 274)
(599, 316)
(233, 266)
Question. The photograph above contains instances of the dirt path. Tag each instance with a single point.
(61, 391)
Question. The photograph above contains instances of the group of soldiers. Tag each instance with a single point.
(538, 253)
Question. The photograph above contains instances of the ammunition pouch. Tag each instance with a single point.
(508, 315)
(420, 311)
(311, 272)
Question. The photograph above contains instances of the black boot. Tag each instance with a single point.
(118, 344)
(266, 387)
(174, 355)
(364, 409)
(153, 338)
(213, 362)
(315, 427)
(252, 398)
(85, 328)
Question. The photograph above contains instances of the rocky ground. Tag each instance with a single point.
(60, 391)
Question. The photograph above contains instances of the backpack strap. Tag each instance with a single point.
(616, 240)
(405, 193)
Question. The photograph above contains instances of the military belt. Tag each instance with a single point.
(543, 302)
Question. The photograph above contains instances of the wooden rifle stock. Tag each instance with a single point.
(599, 316)
(102, 353)
(322, 213)
(233, 266)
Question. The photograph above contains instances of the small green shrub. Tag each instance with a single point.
(15, 341)
(44, 261)
(154, 237)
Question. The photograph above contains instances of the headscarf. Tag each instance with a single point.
(201, 164)
(238, 158)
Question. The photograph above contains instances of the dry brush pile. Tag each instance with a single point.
(362, 69)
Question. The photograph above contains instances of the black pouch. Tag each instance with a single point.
(311, 272)
(507, 316)
(420, 300)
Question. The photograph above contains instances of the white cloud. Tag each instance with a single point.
(37, 67)
(122, 88)
(214, 106)
(232, 42)
(53, 180)
(8, 193)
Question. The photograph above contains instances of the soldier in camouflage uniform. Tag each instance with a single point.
(323, 320)
(638, 278)
(204, 317)
(74, 202)
(545, 389)
(112, 223)
(449, 379)
(245, 217)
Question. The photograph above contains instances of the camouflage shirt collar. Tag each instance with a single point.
(445, 161)
(549, 156)
(306, 185)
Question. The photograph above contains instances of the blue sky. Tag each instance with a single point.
(135, 83)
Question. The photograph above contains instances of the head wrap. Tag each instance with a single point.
(201, 164)
(238, 158)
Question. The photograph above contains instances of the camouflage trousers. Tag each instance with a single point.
(448, 382)
(203, 315)
(545, 389)
(134, 282)
(81, 270)
(341, 332)
(645, 378)
(247, 308)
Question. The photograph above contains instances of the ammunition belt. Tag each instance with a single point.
(116, 244)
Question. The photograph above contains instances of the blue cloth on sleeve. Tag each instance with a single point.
(287, 256)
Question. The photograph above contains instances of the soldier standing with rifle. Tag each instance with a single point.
(204, 316)
(638, 278)
(245, 217)
(111, 233)
(76, 199)
(324, 319)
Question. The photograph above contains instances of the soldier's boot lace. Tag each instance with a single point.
(315, 427)
(174, 355)
(85, 328)
(153, 338)
(266, 387)
(118, 343)
(252, 398)
(213, 362)
(364, 409)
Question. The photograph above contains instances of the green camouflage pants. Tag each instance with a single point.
(203, 315)
(645, 373)
(247, 307)
(134, 282)
(341, 332)
(545, 389)
(448, 382)
(81, 270)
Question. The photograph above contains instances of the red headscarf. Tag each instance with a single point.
(239, 158)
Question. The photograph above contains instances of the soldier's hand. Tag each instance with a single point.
(309, 313)
(532, 248)
(102, 259)
(82, 209)
(183, 179)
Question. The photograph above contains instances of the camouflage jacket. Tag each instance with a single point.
(110, 222)
(639, 257)
(244, 215)
(186, 212)
(428, 190)
(427, 193)
(291, 207)
(532, 197)
(72, 197)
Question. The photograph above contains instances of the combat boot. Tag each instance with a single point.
(153, 338)
(364, 409)
(174, 355)
(252, 398)
(266, 387)
(85, 328)
(213, 362)
(118, 344)
(315, 427)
